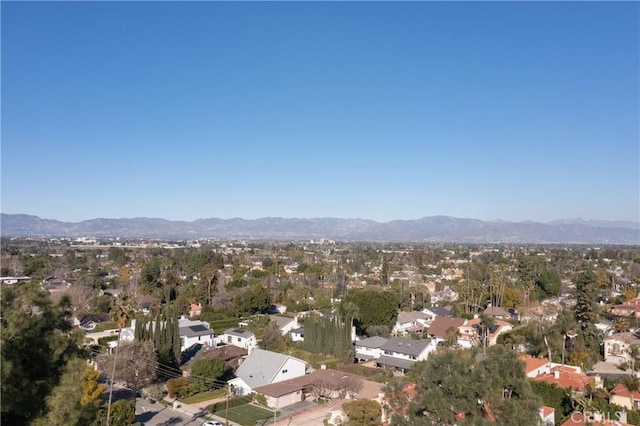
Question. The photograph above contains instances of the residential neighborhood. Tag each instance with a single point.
(288, 326)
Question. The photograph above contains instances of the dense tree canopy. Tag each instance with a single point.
(375, 308)
(36, 344)
(453, 387)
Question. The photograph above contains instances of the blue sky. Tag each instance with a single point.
(376, 110)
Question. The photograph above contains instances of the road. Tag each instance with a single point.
(157, 414)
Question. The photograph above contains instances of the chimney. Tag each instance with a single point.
(556, 374)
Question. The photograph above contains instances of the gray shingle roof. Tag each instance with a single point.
(239, 332)
(405, 346)
(395, 362)
(261, 367)
(374, 342)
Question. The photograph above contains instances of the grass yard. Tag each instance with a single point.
(205, 396)
(246, 415)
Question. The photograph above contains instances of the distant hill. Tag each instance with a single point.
(427, 229)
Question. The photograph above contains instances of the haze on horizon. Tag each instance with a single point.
(372, 110)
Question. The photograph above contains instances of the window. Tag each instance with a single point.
(239, 339)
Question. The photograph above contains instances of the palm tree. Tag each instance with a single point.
(632, 383)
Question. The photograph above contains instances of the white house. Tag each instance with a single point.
(370, 348)
(244, 339)
(195, 332)
(285, 324)
(401, 353)
(191, 333)
(617, 347)
(265, 367)
(297, 334)
(414, 321)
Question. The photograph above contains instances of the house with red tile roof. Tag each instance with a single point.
(195, 310)
(534, 367)
(620, 395)
(548, 415)
(567, 378)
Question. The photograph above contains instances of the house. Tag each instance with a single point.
(497, 312)
(567, 378)
(238, 337)
(534, 367)
(322, 383)
(89, 322)
(596, 419)
(630, 308)
(414, 321)
(145, 302)
(231, 355)
(443, 328)
(548, 415)
(620, 395)
(617, 347)
(195, 310)
(370, 348)
(191, 333)
(605, 327)
(265, 367)
(496, 329)
(297, 334)
(285, 324)
(437, 311)
(194, 333)
(400, 353)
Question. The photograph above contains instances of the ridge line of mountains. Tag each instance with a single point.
(435, 229)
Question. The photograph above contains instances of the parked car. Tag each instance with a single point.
(212, 423)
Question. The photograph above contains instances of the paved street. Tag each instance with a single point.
(157, 414)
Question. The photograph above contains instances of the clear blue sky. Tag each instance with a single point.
(376, 110)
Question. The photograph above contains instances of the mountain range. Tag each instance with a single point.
(434, 229)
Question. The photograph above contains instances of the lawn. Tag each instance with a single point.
(205, 396)
(246, 415)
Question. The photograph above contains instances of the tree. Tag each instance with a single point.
(123, 413)
(363, 412)
(36, 342)
(549, 282)
(374, 307)
(206, 372)
(252, 300)
(136, 363)
(69, 402)
(92, 390)
(586, 310)
(454, 387)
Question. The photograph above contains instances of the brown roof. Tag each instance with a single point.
(440, 325)
(330, 379)
(226, 353)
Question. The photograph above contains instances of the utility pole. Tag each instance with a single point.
(113, 375)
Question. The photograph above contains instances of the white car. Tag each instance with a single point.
(212, 423)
